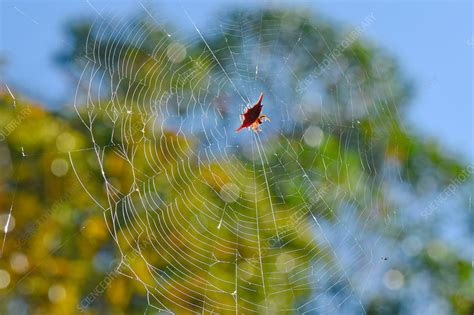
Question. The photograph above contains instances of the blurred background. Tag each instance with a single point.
(125, 190)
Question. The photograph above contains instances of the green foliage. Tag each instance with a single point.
(65, 215)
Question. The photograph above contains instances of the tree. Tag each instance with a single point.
(203, 220)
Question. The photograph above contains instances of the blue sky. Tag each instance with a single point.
(432, 41)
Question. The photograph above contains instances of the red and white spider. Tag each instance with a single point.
(252, 117)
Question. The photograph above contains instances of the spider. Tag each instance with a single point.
(252, 117)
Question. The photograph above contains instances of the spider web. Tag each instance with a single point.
(224, 221)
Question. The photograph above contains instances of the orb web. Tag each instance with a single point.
(245, 222)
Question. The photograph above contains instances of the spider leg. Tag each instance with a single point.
(264, 117)
(255, 126)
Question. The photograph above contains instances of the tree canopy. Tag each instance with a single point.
(144, 198)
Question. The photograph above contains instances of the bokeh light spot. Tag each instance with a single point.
(393, 279)
(4, 220)
(4, 279)
(230, 192)
(176, 52)
(65, 142)
(313, 136)
(59, 167)
(56, 293)
(19, 262)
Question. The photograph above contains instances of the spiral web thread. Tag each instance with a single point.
(206, 211)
